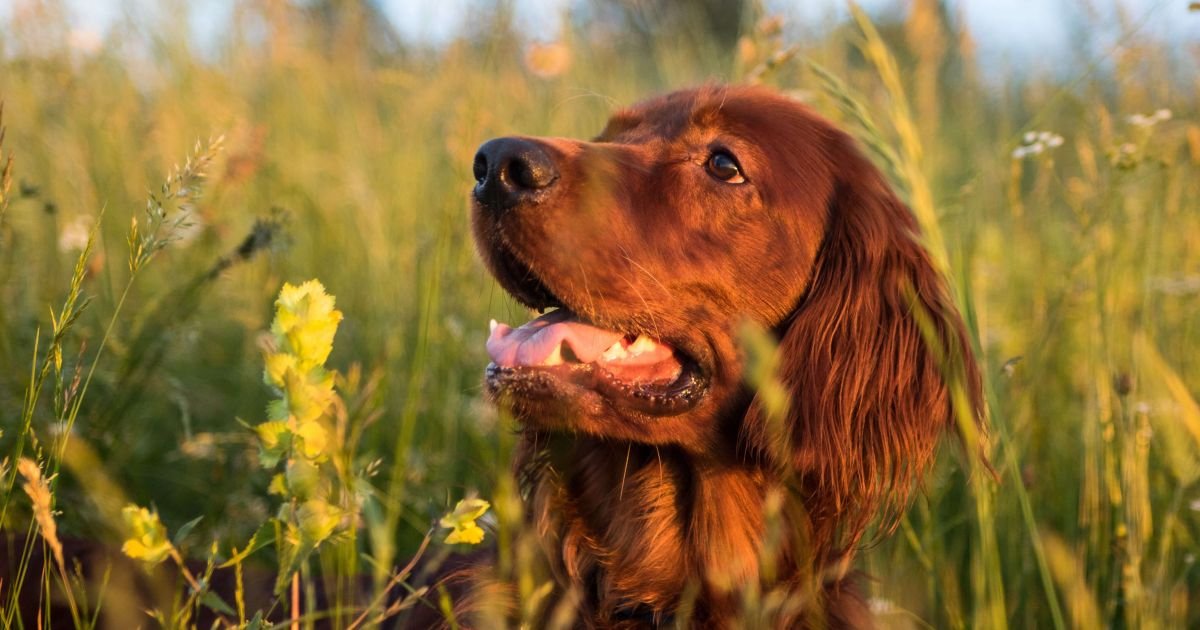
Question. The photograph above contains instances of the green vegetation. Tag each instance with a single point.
(1066, 209)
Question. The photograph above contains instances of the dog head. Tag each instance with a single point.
(688, 215)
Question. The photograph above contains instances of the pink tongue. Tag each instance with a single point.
(535, 342)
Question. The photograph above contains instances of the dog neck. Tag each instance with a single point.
(643, 533)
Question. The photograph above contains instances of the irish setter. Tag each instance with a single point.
(656, 479)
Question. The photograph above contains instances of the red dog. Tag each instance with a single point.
(646, 461)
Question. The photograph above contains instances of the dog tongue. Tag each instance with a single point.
(539, 342)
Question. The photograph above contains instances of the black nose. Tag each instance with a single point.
(509, 170)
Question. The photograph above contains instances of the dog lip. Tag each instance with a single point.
(652, 400)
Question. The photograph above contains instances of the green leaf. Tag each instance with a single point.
(292, 558)
(256, 623)
(184, 530)
(214, 602)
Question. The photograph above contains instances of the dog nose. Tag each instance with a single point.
(507, 170)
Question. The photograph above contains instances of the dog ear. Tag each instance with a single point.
(867, 358)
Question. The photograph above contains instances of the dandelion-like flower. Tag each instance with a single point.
(147, 539)
(462, 522)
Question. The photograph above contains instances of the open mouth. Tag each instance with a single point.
(633, 370)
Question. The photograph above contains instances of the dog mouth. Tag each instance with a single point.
(566, 353)
(633, 370)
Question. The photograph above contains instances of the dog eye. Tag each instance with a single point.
(722, 166)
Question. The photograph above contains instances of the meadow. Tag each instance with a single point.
(156, 196)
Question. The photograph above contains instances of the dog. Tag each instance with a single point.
(661, 484)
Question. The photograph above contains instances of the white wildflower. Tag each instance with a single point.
(1035, 143)
(1144, 121)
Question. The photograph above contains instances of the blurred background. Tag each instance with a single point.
(1059, 141)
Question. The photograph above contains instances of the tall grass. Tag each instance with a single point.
(348, 159)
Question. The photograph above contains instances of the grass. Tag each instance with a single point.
(348, 160)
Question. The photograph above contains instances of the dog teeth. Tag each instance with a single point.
(615, 351)
(555, 357)
(492, 326)
(642, 345)
(619, 350)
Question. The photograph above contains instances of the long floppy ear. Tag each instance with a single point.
(869, 393)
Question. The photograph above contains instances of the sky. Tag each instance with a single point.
(1006, 31)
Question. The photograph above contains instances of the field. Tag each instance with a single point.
(160, 194)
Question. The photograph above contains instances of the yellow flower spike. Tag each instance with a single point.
(313, 440)
(274, 439)
(305, 323)
(462, 522)
(277, 364)
(302, 477)
(317, 520)
(147, 537)
(307, 300)
(307, 401)
(312, 340)
(271, 434)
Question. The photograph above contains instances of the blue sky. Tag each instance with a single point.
(1009, 31)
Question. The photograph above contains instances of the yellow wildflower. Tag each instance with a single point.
(278, 364)
(278, 485)
(274, 440)
(313, 440)
(462, 522)
(302, 477)
(147, 537)
(307, 401)
(272, 434)
(305, 323)
(317, 520)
